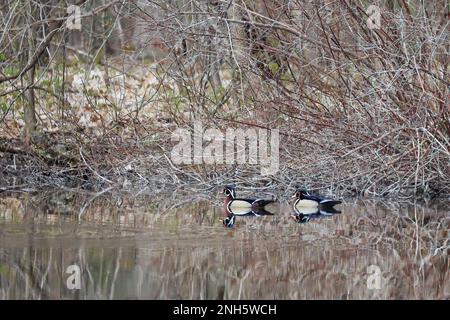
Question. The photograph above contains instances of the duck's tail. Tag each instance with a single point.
(263, 203)
(328, 211)
(329, 203)
(261, 212)
(259, 206)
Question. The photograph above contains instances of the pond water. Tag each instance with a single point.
(68, 245)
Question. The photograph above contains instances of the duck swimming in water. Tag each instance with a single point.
(242, 206)
(306, 202)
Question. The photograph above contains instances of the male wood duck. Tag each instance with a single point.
(310, 204)
(242, 206)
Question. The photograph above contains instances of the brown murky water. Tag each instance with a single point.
(142, 248)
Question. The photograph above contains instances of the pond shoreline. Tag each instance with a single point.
(126, 162)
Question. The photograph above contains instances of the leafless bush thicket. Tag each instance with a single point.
(360, 110)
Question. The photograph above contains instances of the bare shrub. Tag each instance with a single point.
(361, 110)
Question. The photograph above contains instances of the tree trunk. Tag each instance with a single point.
(27, 80)
(29, 112)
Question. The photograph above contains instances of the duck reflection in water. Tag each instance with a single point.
(230, 219)
(305, 216)
(308, 207)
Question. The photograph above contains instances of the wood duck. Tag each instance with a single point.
(242, 206)
(310, 204)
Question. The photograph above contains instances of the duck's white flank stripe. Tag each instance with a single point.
(327, 200)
